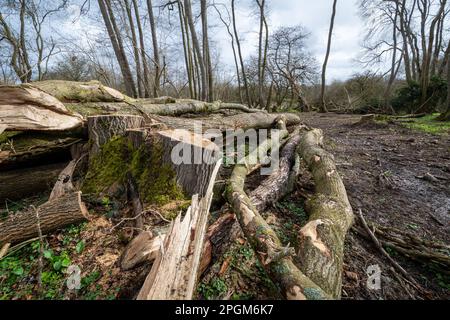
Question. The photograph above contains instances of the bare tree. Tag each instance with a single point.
(206, 50)
(143, 53)
(198, 52)
(117, 43)
(323, 107)
(262, 50)
(136, 50)
(156, 58)
(241, 60)
(31, 49)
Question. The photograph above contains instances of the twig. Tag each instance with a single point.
(381, 249)
(158, 214)
(126, 219)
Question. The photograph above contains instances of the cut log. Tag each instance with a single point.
(279, 183)
(276, 259)
(103, 128)
(25, 108)
(32, 149)
(175, 272)
(144, 248)
(330, 216)
(71, 91)
(22, 183)
(53, 215)
(260, 120)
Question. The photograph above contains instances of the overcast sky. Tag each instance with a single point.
(315, 16)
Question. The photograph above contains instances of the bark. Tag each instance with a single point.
(22, 183)
(187, 50)
(71, 91)
(53, 215)
(143, 53)
(276, 259)
(323, 107)
(103, 128)
(280, 182)
(206, 51)
(30, 150)
(259, 120)
(157, 60)
(175, 272)
(241, 60)
(116, 41)
(196, 43)
(149, 107)
(134, 43)
(330, 217)
(446, 115)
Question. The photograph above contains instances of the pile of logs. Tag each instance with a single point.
(53, 133)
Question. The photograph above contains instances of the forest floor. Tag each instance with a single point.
(382, 166)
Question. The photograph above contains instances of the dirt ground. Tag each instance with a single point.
(383, 166)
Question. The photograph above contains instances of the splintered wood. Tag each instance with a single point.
(176, 269)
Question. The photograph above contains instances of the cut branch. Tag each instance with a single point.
(54, 215)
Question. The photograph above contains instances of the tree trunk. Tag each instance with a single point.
(446, 115)
(103, 128)
(116, 41)
(241, 60)
(196, 43)
(323, 107)
(72, 91)
(22, 183)
(330, 217)
(53, 215)
(25, 108)
(157, 61)
(134, 43)
(143, 53)
(245, 121)
(206, 51)
(280, 182)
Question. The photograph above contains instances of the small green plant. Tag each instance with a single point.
(214, 289)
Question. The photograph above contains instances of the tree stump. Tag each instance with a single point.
(102, 128)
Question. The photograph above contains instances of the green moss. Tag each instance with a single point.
(110, 166)
(429, 124)
(156, 180)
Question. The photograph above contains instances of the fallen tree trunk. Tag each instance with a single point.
(276, 259)
(22, 183)
(53, 215)
(175, 272)
(24, 108)
(260, 120)
(150, 107)
(28, 149)
(330, 217)
(72, 91)
(279, 183)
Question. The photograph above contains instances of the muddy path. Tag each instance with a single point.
(400, 178)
